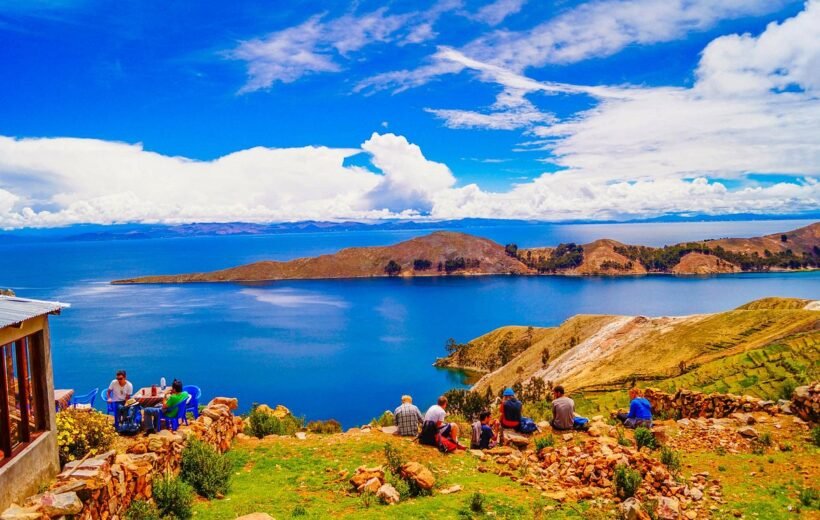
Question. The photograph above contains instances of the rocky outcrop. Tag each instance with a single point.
(698, 263)
(806, 402)
(105, 485)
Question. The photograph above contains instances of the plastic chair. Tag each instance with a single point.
(172, 423)
(193, 405)
(85, 401)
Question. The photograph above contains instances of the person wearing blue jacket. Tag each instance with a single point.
(640, 411)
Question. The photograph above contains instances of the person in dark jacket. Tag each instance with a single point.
(510, 410)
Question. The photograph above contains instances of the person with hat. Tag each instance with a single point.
(510, 410)
(407, 417)
(119, 391)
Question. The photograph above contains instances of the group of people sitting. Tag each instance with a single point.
(486, 432)
(127, 410)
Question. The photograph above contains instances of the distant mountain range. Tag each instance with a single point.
(98, 232)
(444, 253)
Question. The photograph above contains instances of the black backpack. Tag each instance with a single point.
(429, 434)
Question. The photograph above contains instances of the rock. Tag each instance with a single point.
(567, 436)
(691, 515)
(419, 474)
(455, 488)
(300, 435)
(388, 494)
(364, 474)
(661, 435)
(61, 504)
(499, 451)
(599, 429)
(668, 508)
(630, 509)
(15, 512)
(390, 430)
(696, 494)
(371, 485)
(243, 437)
(137, 448)
(747, 432)
(511, 437)
(559, 496)
(231, 402)
(256, 516)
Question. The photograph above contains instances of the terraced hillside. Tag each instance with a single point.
(760, 348)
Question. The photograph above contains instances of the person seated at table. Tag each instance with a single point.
(119, 391)
(640, 411)
(150, 415)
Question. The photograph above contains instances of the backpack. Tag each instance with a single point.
(580, 423)
(512, 410)
(527, 426)
(130, 420)
(446, 444)
(475, 437)
(429, 434)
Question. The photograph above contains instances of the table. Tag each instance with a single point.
(145, 398)
(62, 398)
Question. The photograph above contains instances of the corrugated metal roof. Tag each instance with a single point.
(14, 310)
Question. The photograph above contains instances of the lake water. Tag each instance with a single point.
(344, 349)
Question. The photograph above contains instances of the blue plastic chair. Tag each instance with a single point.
(172, 423)
(85, 401)
(193, 405)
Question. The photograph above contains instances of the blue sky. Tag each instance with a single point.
(116, 112)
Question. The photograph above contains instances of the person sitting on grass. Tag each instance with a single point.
(510, 410)
(640, 411)
(483, 437)
(563, 412)
(150, 415)
(119, 391)
(407, 417)
(434, 425)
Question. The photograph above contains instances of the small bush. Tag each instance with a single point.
(758, 448)
(809, 496)
(671, 459)
(627, 481)
(262, 423)
(299, 511)
(401, 485)
(385, 419)
(329, 426)
(174, 498)
(141, 510)
(395, 458)
(544, 442)
(720, 450)
(367, 498)
(787, 389)
(815, 435)
(645, 437)
(721, 468)
(207, 470)
(622, 440)
(476, 502)
(80, 432)
(765, 439)
(786, 447)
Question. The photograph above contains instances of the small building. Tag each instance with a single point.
(28, 436)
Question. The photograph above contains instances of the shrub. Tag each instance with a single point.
(207, 470)
(299, 511)
(627, 481)
(645, 437)
(385, 419)
(809, 496)
(366, 498)
(815, 435)
(395, 458)
(787, 389)
(671, 459)
(329, 426)
(141, 510)
(622, 440)
(80, 432)
(721, 468)
(765, 439)
(262, 423)
(544, 442)
(476, 502)
(720, 450)
(174, 498)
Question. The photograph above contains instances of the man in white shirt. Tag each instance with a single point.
(435, 416)
(119, 391)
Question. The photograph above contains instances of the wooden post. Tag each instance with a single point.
(23, 390)
(5, 415)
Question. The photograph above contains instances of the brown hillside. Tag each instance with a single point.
(362, 262)
(801, 240)
(698, 263)
(600, 258)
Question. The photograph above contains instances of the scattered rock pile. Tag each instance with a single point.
(712, 435)
(102, 487)
(806, 402)
(372, 480)
(690, 403)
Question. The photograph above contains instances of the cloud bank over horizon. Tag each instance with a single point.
(741, 137)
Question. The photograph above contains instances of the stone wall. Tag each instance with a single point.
(690, 404)
(103, 487)
(806, 402)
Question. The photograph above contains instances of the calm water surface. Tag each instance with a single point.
(345, 349)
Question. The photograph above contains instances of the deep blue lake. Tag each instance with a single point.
(343, 349)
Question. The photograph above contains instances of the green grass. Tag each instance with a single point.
(279, 476)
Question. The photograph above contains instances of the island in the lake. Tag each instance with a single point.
(445, 253)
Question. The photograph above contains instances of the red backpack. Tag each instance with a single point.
(445, 444)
